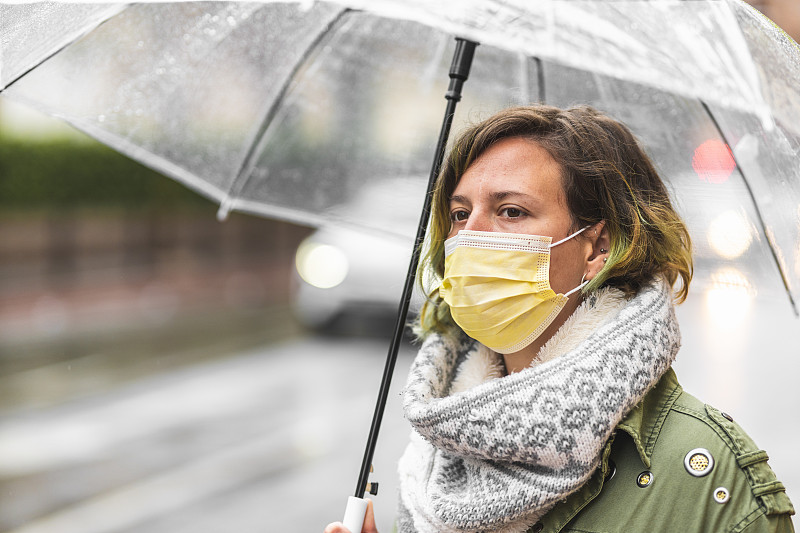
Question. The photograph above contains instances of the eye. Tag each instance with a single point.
(512, 212)
(459, 215)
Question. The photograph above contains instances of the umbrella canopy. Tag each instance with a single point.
(289, 109)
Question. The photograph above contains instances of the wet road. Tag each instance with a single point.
(267, 440)
(270, 439)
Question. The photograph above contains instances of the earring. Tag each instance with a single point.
(605, 260)
(602, 250)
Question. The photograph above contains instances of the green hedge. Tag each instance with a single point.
(63, 174)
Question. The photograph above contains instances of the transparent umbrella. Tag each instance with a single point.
(287, 109)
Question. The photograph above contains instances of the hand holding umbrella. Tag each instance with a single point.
(352, 524)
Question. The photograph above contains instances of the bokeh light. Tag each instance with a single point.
(730, 234)
(321, 265)
(713, 161)
(729, 298)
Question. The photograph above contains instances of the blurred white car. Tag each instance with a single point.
(346, 272)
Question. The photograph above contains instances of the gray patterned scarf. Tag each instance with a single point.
(498, 456)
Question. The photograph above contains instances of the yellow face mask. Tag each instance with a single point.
(498, 287)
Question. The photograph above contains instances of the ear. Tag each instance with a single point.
(600, 242)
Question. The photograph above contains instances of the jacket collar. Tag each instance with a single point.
(645, 421)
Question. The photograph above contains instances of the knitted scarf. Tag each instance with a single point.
(498, 456)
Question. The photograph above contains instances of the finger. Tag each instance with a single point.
(336, 527)
(369, 519)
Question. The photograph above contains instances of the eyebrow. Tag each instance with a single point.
(497, 196)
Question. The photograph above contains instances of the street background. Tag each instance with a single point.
(153, 375)
(154, 378)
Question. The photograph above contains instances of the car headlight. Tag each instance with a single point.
(321, 265)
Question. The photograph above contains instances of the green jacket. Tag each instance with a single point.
(737, 491)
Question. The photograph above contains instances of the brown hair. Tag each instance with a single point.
(606, 176)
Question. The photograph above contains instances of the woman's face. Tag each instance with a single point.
(515, 186)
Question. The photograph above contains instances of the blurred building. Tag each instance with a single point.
(100, 254)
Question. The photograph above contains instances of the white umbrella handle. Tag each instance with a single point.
(354, 514)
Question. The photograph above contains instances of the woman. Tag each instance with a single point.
(542, 398)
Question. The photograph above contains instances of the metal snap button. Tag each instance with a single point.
(645, 479)
(721, 495)
(725, 415)
(698, 462)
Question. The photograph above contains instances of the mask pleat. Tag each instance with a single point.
(500, 296)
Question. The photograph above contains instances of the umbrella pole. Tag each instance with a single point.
(459, 72)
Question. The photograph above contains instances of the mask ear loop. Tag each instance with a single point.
(584, 282)
(565, 239)
(583, 279)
